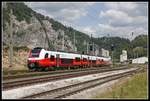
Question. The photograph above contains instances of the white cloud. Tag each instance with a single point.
(44, 12)
(116, 18)
(59, 4)
(67, 11)
(114, 14)
(132, 8)
(89, 30)
(121, 31)
(122, 5)
(71, 14)
(121, 19)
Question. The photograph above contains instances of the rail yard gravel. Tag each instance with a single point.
(92, 92)
(34, 89)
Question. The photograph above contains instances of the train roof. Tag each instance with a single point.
(74, 55)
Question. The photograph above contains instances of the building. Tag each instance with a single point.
(96, 52)
(104, 52)
(123, 56)
(140, 60)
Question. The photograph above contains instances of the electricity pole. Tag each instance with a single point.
(93, 49)
(87, 48)
(112, 50)
(11, 39)
(92, 43)
(56, 42)
(132, 45)
(74, 40)
(112, 59)
(63, 41)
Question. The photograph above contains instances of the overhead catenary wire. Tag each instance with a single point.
(93, 19)
(45, 31)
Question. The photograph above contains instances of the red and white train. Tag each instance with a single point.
(41, 59)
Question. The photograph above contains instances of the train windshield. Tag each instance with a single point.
(35, 53)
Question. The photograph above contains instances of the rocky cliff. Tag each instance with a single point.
(27, 29)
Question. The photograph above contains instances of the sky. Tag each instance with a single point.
(98, 18)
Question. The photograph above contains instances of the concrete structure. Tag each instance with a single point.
(104, 52)
(123, 56)
(96, 52)
(140, 60)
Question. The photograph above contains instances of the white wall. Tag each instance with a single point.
(123, 56)
(104, 52)
(140, 60)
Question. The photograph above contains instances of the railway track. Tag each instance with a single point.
(75, 88)
(29, 74)
(10, 84)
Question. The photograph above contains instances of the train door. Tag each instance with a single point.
(57, 60)
(88, 61)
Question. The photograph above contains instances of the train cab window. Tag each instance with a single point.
(52, 58)
(77, 59)
(35, 52)
(46, 55)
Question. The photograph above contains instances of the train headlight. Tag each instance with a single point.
(32, 65)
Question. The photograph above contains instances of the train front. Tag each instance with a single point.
(35, 55)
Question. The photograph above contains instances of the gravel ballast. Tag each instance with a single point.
(34, 89)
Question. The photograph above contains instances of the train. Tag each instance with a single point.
(40, 59)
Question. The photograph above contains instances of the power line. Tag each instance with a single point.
(93, 19)
(63, 41)
(44, 28)
(74, 41)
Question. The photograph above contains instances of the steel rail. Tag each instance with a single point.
(74, 88)
(27, 81)
(48, 72)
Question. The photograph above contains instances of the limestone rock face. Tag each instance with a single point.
(32, 35)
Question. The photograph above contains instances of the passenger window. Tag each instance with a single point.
(84, 59)
(77, 59)
(46, 55)
(52, 58)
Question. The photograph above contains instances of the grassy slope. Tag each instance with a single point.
(136, 87)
